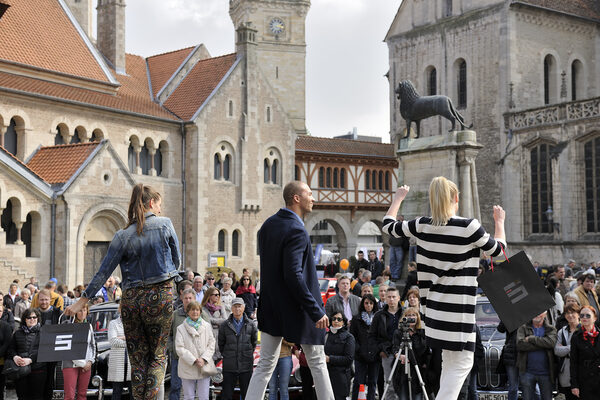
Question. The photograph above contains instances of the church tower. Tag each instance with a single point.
(281, 48)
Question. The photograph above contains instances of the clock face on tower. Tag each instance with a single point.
(276, 26)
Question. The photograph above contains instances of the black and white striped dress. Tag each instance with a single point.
(447, 264)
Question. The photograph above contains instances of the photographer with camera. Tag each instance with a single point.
(385, 323)
(410, 329)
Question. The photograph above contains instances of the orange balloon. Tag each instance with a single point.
(344, 264)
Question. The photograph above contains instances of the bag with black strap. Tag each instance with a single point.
(515, 291)
(13, 372)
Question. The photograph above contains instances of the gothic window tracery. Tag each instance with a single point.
(541, 188)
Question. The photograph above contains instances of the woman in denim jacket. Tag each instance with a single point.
(148, 252)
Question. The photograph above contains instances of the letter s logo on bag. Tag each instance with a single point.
(63, 342)
(515, 291)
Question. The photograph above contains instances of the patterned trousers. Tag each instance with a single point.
(147, 314)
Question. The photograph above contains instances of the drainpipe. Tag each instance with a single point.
(52, 236)
(183, 203)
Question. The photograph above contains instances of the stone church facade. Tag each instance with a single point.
(526, 74)
(81, 122)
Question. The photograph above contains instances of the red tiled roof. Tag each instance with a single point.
(344, 146)
(582, 8)
(200, 82)
(8, 153)
(57, 164)
(133, 95)
(162, 67)
(40, 34)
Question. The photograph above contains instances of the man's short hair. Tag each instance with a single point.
(361, 252)
(373, 251)
(50, 285)
(392, 289)
(591, 277)
(290, 190)
(181, 285)
(45, 292)
(198, 278)
(341, 278)
(366, 274)
(188, 291)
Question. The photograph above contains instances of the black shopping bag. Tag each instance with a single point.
(63, 342)
(515, 291)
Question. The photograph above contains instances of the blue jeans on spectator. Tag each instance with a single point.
(396, 261)
(281, 379)
(412, 253)
(512, 373)
(366, 374)
(528, 382)
(175, 380)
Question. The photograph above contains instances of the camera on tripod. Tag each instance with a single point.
(404, 323)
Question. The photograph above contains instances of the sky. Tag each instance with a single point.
(345, 64)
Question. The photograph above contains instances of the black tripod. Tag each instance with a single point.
(406, 350)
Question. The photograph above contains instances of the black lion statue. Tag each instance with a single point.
(414, 108)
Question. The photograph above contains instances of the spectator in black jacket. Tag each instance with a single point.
(11, 299)
(7, 316)
(49, 315)
(411, 279)
(339, 354)
(585, 356)
(361, 262)
(509, 360)
(420, 356)
(23, 349)
(381, 334)
(5, 338)
(247, 292)
(366, 361)
(375, 266)
(237, 340)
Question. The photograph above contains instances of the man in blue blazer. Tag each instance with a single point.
(290, 304)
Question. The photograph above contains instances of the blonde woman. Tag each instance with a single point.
(448, 251)
(214, 313)
(195, 345)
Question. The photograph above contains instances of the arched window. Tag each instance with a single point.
(235, 243)
(380, 180)
(432, 82)
(267, 171)
(343, 178)
(321, 177)
(58, 139)
(76, 138)
(274, 171)
(374, 180)
(576, 80)
(230, 109)
(462, 84)
(296, 173)
(541, 188)
(387, 180)
(227, 168)
(550, 86)
(367, 180)
(8, 224)
(591, 150)
(31, 234)
(335, 177)
(145, 160)
(221, 240)
(328, 178)
(97, 135)
(158, 162)
(10, 138)
(268, 114)
(217, 167)
(131, 157)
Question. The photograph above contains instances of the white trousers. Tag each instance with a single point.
(456, 366)
(195, 387)
(269, 354)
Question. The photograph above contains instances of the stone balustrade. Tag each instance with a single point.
(553, 114)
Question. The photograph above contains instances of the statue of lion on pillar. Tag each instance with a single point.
(414, 107)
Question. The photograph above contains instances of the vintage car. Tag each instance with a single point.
(491, 385)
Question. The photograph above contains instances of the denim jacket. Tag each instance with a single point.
(145, 259)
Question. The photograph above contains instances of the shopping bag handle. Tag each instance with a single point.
(61, 315)
(492, 258)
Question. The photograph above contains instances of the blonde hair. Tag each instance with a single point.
(442, 193)
(415, 311)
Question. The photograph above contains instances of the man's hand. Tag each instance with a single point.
(575, 392)
(323, 323)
